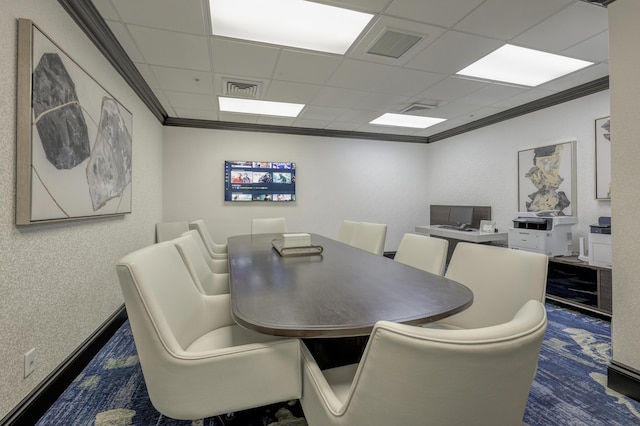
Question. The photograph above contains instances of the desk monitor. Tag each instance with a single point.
(461, 215)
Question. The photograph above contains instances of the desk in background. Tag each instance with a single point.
(454, 236)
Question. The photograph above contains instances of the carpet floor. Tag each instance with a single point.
(569, 388)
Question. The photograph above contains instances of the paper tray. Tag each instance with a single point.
(311, 250)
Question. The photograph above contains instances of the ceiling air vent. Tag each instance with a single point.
(242, 89)
(418, 108)
(603, 3)
(393, 44)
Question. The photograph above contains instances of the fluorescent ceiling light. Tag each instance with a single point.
(404, 120)
(519, 65)
(252, 106)
(294, 23)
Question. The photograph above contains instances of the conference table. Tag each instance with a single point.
(341, 292)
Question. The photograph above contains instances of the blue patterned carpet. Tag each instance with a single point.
(569, 389)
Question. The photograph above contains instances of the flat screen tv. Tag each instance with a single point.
(259, 181)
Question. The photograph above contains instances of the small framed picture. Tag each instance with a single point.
(487, 226)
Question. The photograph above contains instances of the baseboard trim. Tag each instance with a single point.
(34, 405)
(623, 379)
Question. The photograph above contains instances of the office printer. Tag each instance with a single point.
(542, 232)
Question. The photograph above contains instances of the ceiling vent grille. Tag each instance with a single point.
(418, 108)
(603, 3)
(242, 89)
(393, 44)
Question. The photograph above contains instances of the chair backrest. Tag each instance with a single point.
(346, 231)
(502, 280)
(412, 375)
(204, 278)
(208, 241)
(370, 237)
(274, 225)
(166, 231)
(163, 304)
(423, 252)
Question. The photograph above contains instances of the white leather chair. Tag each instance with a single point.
(346, 231)
(423, 252)
(204, 278)
(419, 376)
(166, 231)
(275, 225)
(216, 251)
(195, 360)
(502, 280)
(370, 237)
(217, 266)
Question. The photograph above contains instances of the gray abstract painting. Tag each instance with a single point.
(58, 116)
(109, 168)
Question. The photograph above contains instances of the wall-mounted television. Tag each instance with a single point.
(259, 181)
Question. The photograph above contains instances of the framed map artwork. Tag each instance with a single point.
(547, 180)
(73, 144)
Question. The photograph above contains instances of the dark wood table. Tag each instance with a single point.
(342, 292)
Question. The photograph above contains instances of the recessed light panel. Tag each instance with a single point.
(295, 23)
(405, 120)
(253, 106)
(519, 65)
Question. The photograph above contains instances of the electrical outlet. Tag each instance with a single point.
(29, 362)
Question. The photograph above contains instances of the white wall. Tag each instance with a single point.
(58, 281)
(336, 179)
(624, 34)
(481, 167)
(386, 182)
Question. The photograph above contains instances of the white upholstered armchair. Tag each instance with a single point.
(419, 376)
(196, 361)
(216, 250)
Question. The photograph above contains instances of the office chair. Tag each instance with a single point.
(419, 376)
(423, 252)
(196, 361)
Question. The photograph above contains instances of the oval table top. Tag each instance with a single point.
(342, 292)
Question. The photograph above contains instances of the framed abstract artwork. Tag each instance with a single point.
(603, 158)
(74, 140)
(547, 179)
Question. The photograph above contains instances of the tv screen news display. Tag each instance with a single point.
(259, 181)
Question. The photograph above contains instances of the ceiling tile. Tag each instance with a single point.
(171, 49)
(186, 16)
(594, 49)
(566, 28)
(524, 98)
(182, 100)
(240, 58)
(359, 75)
(147, 74)
(579, 77)
(197, 114)
(306, 67)
(505, 19)
(452, 88)
(276, 121)
(340, 98)
(407, 82)
(320, 113)
(491, 94)
(437, 12)
(181, 80)
(452, 52)
(368, 6)
(284, 91)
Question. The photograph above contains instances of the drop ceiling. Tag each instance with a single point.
(185, 68)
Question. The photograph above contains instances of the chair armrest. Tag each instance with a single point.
(218, 310)
(313, 376)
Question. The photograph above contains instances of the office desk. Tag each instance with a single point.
(474, 236)
(342, 292)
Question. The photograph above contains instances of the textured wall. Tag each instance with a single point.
(624, 34)
(481, 167)
(336, 179)
(57, 281)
